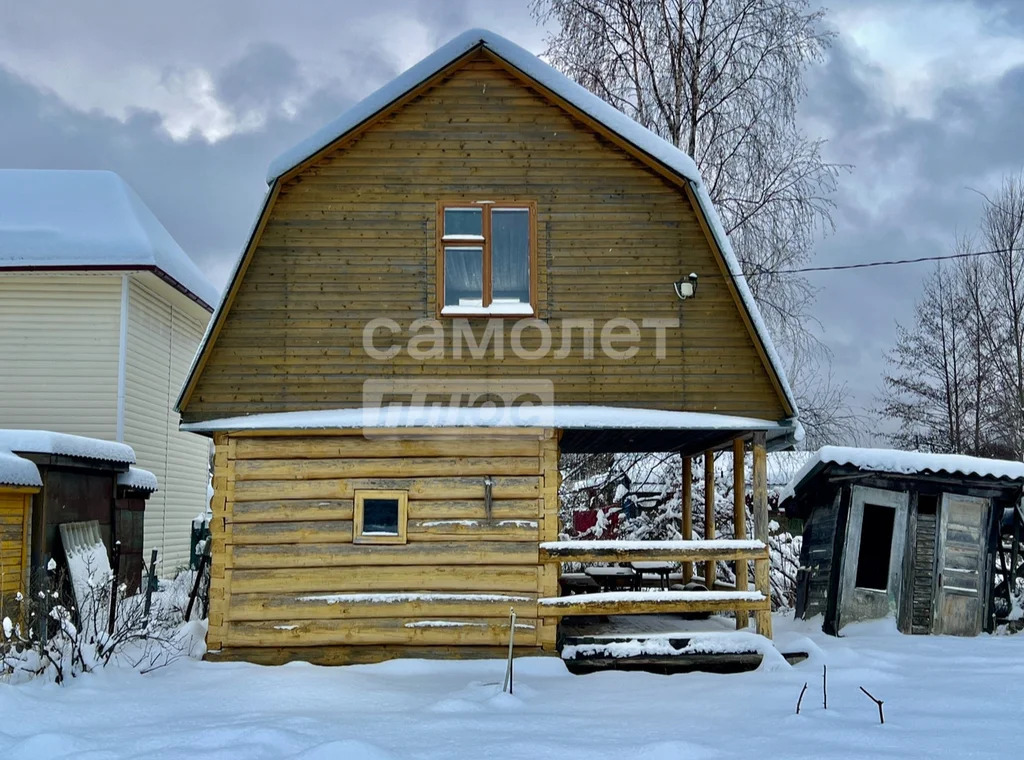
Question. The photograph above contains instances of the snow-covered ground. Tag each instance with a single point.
(944, 697)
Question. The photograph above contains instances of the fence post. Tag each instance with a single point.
(151, 583)
(115, 556)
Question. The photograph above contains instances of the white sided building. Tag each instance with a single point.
(100, 314)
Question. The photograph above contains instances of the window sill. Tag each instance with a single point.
(379, 539)
(494, 310)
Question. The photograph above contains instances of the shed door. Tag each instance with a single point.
(960, 603)
(873, 556)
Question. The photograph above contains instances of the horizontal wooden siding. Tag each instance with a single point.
(353, 238)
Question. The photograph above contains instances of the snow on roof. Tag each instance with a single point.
(137, 478)
(82, 219)
(567, 417)
(904, 463)
(647, 141)
(15, 471)
(47, 442)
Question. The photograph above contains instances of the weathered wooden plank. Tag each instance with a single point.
(448, 553)
(292, 510)
(414, 631)
(516, 487)
(361, 655)
(305, 532)
(420, 605)
(448, 530)
(499, 578)
(302, 469)
(368, 448)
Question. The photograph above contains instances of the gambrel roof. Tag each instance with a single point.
(644, 144)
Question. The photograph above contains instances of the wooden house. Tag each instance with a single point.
(909, 535)
(100, 314)
(422, 320)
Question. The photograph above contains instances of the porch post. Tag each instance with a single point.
(687, 508)
(739, 517)
(710, 567)
(762, 572)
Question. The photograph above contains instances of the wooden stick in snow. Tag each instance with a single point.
(881, 715)
(801, 698)
(824, 685)
(507, 686)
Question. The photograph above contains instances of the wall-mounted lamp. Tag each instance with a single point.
(686, 287)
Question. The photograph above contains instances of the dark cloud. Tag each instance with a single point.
(205, 193)
(261, 80)
(909, 195)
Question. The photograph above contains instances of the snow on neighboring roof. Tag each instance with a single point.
(15, 471)
(82, 219)
(47, 442)
(568, 417)
(137, 478)
(647, 141)
(904, 463)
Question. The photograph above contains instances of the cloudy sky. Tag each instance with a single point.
(189, 101)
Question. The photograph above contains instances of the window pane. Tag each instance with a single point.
(463, 276)
(510, 255)
(463, 221)
(380, 517)
(875, 547)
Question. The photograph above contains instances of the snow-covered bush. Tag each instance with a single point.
(48, 634)
(657, 515)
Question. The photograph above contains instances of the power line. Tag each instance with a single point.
(883, 263)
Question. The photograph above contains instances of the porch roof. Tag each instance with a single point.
(585, 428)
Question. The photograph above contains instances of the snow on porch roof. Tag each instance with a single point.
(64, 219)
(903, 463)
(659, 149)
(565, 417)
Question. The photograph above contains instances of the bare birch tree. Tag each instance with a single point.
(720, 79)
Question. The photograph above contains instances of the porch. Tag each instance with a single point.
(662, 628)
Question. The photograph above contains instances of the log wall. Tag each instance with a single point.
(288, 583)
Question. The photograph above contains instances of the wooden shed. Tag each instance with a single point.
(915, 536)
(74, 479)
(421, 322)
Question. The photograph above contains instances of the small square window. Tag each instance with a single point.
(380, 517)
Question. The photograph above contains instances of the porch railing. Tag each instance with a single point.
(740, 551)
